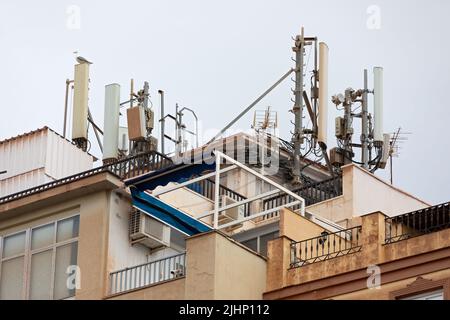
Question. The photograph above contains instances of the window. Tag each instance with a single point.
(259, 244)
(34, 262)
(424, 289)
(435, 295)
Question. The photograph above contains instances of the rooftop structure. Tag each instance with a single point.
(248, 216)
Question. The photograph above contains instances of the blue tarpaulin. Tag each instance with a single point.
(177, 173)
(167, 214)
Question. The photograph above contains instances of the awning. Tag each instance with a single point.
(162, 177)
(167, 214)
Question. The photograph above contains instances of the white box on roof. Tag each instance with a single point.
(39, 157)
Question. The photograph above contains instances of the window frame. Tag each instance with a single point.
(29, 252)
(422, 286)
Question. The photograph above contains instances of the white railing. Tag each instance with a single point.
(147, 274)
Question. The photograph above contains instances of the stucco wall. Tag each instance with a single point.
(364, 193)
(220, 268)
(121, 253)
(426, 251)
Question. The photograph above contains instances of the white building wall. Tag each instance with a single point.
(37, 158)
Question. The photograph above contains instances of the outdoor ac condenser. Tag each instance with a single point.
(148, 231)
(231, 214)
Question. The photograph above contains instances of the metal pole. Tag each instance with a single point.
(216, 191)
(162, 120)
(66, 102)
(196, 122)
(298, 105)
(179, 135)
(365, 126)
(91, 120)
(251, 105)
(392, 176)
(146, 88)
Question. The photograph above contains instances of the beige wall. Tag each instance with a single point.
(373, 252)
(187, 201)
(364, 193)
(297, 227)
(103, 243)
(383, 292)
(220, 268)
(217, 267)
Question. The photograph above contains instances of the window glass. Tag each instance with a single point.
(41, 275)
(11, 280)
(65, 256)
(252, 244)
(13, 245)
(435, 295)
(263, 242)
(67, 229)
(42, 236)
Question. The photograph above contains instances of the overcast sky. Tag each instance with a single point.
(218, 56)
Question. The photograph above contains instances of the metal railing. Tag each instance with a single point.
(326, 246)
(147, 274)
(312, 193)
(125, 168)
(417, 223)
(206, 188)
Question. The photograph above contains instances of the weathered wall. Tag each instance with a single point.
(417, 256)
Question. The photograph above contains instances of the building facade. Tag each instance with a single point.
(145, 227)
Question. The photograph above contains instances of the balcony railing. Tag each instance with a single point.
(326, 246)
(417, 223)
(147, 274)
(312, 193)
(125, 168)
(207, 187)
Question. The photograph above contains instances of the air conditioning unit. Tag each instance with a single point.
(231, 214)
(148, 231)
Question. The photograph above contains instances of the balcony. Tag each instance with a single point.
(126, 168)
(206, 189)
(147, 274)
(325, 247)
(417, 223)
(312, 193)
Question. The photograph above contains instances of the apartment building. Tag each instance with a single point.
(144, 227)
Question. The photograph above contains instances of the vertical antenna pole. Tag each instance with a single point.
(392, 176)
(162, 121)
(66, 103)
(179, 146)
(216, 191)
(365, 126)
(131, 93)
(146, 89)
(298, 106)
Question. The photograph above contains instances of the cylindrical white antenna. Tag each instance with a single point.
(111, 122)
(80, 101)
(378, 104)
(323, 93)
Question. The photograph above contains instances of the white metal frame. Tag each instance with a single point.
(235, 165)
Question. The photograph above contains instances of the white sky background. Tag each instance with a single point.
(218, 56)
